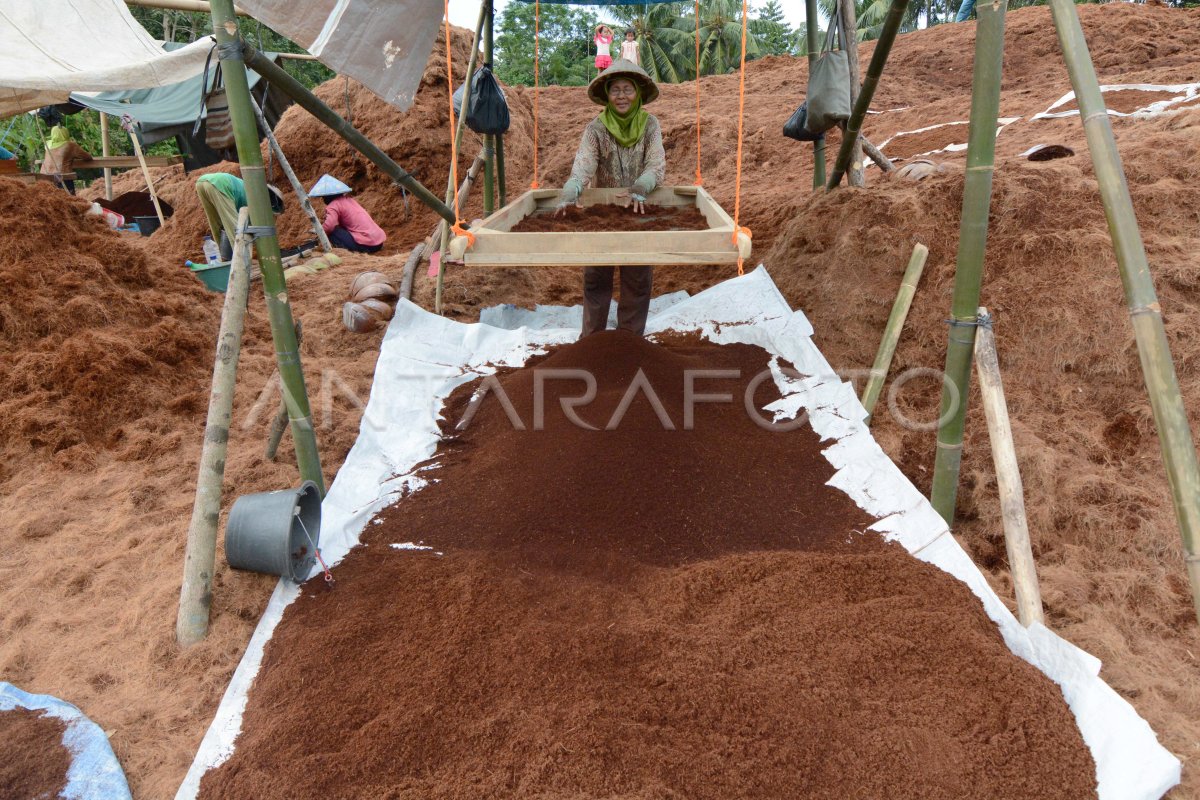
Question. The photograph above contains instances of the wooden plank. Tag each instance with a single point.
(614, 259)
(510, 215)
(125, 162)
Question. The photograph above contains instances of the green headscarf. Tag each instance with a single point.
(58, 137)
(627, 128)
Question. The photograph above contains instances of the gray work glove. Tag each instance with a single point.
(570, 194)
(644, 185)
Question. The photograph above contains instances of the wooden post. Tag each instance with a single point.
(501, 181)
(883, 46)
(441, 237)
(105, 151)
(849, 22)
(127, 124)
(266, 243)
(195, 596)
(813, 34)
(876, 155)
(489, 168)
(895, 324)
(972, 247)
(1162, 385)
(297, 187)
(1008, 476)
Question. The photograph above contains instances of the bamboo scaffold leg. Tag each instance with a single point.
(849, 21)
(883, 46)
(813, 34)
(279, 310)
(1166, 401)
(895, 324)
(972, 246)
(297, 187)
(1008, 476)
(195, 595)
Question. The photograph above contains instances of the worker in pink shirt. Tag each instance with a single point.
(347, 224)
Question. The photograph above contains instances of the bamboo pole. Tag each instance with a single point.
(280, 423)
(128, 124)
(895, 325)
(279, 310)
(813, 34)
(849, 21)
(105, 151)
(297, 187)
(278, 78)
(883, 46)
(1166, 401)
(1008, 476)
(201, 6)
(876, 155)
(501, 183)
(442, 231)
(489, 168)
(444, 235)
(972, 247)
(195, 594)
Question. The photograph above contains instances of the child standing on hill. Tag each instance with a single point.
(629, 48)
(604, 39)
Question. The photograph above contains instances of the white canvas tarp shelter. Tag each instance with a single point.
(383, 44)
(50, 48)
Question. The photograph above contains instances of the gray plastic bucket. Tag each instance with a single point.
(264, 532)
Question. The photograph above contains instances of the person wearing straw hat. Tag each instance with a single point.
(621, 148)
(347, 223)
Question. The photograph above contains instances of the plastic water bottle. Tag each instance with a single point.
(212, 253)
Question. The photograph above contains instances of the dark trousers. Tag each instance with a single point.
(340, 237)
(633, 306)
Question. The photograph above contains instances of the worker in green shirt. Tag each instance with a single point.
(222, 196)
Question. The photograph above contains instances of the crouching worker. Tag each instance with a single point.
(222, 196)
(622, 148)
(61, 154)
(347, 223)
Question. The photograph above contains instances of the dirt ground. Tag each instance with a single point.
(93, 523)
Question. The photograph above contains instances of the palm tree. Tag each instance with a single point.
(666, 48)
(870, 15)
(721, 36)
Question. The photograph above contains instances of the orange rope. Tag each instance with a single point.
(699, 176)
(457, 227)
(737, 192)
(537, 55)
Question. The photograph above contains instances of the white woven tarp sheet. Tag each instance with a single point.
(424, 357)
(50, 48)
(383, 44)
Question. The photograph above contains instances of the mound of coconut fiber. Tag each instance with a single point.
(94, 333)
(625, 604)
(35, 762)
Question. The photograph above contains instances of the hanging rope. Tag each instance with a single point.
(537, 55)
(699, 176)
(457, 227)
(737, 190)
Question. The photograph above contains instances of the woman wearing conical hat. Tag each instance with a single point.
(621, 148)
(346, 223)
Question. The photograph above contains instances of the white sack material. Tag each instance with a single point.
(50, 48)
(1184, 93)
(383, 44)
(425, 357)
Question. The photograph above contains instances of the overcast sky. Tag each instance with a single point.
(466, 12)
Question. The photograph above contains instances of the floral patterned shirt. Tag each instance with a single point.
(604, 164)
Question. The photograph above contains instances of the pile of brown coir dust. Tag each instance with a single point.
(608, 218)
(105, 361)
(642, 612)
(35, 761)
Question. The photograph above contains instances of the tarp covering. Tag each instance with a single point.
(425, 357)
(50, 48)
(383, 44)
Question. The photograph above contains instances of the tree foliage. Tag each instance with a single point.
(564, 45)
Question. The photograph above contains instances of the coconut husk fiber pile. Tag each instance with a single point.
(106, 353)
(610, 606)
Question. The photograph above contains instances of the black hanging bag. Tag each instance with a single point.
(796, 126)
(487, 112)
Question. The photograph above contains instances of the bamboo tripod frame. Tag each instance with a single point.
(1162, 385)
